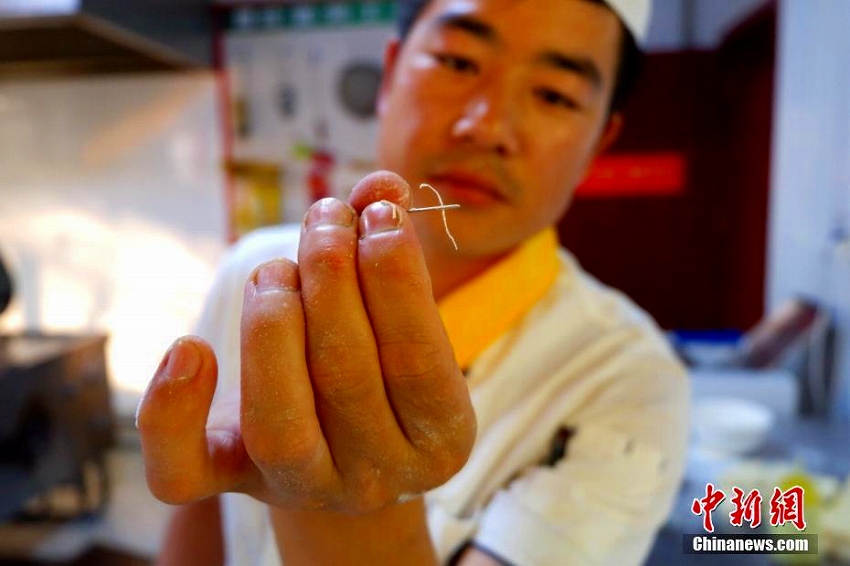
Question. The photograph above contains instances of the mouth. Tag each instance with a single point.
(468, 189)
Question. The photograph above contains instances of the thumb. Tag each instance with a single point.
(183, 461)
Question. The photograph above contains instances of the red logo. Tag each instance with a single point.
(785, 507)
(707, 505)
(747, 508)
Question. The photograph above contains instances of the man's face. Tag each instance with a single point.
(501, 105)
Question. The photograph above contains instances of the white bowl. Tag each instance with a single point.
(731, 426)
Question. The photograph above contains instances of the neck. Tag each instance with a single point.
(450, 270)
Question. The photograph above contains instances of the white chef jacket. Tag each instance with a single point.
(583, 363)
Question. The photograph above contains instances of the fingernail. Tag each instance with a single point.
(157, 374)
(381, 216)
(180, 363)
(184, 360)
(329, 211)
(276, 275)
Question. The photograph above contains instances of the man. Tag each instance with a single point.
(540, 413)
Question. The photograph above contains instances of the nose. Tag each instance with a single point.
(489, 118)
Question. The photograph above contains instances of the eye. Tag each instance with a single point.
(456, 62)
(555, 98)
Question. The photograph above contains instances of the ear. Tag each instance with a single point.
(391, 51)
(610, 133)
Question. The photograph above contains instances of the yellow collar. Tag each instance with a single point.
(479, 312)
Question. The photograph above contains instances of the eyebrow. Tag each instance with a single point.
(581, 66)
(481, 30)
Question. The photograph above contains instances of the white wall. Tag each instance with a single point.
(111, 210)
(809, 232)
(309, 62)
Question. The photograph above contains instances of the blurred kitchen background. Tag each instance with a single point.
(139, 138)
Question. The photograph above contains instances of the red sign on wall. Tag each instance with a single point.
(635, 174)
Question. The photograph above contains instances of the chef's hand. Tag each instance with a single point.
(351, 398)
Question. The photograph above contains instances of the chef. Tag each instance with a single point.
(361, 392)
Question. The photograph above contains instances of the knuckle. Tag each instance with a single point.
(393, 266)
(173, 491)
(411, 356)
(390, 253)
(266, 314)
(445, 466)
(270, 451)
(327, 254)
(337, 358)
(437, 469)
(370, 492)
(341, 389)
(446, 455)
(341, 370)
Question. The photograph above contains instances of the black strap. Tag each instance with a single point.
(5, 287)
(453, 561)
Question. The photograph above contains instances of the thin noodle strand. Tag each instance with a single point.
(442, 212)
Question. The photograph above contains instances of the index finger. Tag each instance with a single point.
(280, 428)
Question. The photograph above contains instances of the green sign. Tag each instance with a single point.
(311, 16)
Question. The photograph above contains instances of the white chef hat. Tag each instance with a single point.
(634, 14)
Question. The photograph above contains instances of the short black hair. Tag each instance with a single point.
(629, 66)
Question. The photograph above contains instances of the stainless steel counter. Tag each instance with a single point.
(55, 417)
